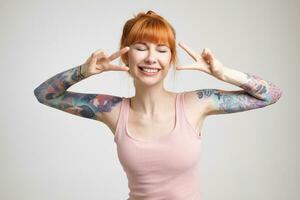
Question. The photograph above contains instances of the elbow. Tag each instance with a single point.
(38, 95)
(279, 94)
(275, 94)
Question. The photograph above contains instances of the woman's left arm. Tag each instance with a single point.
(256, 93)
(253, 85)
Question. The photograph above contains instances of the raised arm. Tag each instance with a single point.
(256, 93)
(53, 92)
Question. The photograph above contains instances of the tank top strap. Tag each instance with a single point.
(181, 111)
(183, 120)
(180, 108)
(126, 110)
(120, 127)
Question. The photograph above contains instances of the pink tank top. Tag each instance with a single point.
(166, 168)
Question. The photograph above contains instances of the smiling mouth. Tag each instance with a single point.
(149, 70)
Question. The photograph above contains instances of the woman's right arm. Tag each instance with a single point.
(53, 92)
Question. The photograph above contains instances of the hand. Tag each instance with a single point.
(99, 62)
(205, 62)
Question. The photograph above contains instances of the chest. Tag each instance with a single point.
(162, 145)
(146, 129)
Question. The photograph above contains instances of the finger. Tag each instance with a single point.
(193, 54)
(205, 55)
(94, 60)
(208, 55)
(204, 52)
(99, 56)
(97, 52)
(118, 53)
(119, 68)
(183, 67)
(190, 66)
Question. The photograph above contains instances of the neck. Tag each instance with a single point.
(151, 101)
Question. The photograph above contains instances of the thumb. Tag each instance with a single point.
(180, 67)
(94, 60)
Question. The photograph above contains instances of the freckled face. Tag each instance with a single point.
(143, 54)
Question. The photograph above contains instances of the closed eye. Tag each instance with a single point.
(146, 49)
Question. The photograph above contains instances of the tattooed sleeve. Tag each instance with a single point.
(257, 93)
(53, 93)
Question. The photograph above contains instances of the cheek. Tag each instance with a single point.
(166, 60)
(134, 58)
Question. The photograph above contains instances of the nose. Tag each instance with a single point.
(151, 58)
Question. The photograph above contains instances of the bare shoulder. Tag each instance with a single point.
(195, 109)
(194, 102)
(111, 115)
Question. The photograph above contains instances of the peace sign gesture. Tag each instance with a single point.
(205, 62)
(99, 62)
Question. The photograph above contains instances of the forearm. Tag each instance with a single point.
(253, 85)
(58, 84)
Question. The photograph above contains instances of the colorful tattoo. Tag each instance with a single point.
(53, 93)
(261, 89)
(257, 93)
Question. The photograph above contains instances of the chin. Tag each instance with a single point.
(148, 81)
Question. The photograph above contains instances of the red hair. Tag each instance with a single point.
(149, 27)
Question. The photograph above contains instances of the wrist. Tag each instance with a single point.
(82, 71)
(234, 77)
(226, 74)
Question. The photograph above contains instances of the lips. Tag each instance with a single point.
(147, 73)
(150, 67)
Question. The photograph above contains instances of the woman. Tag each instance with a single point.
(157, 132)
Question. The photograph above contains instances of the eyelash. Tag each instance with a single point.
(145, 49)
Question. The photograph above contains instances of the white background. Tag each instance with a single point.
(48, 154)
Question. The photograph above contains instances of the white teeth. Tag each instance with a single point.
(149, 70)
